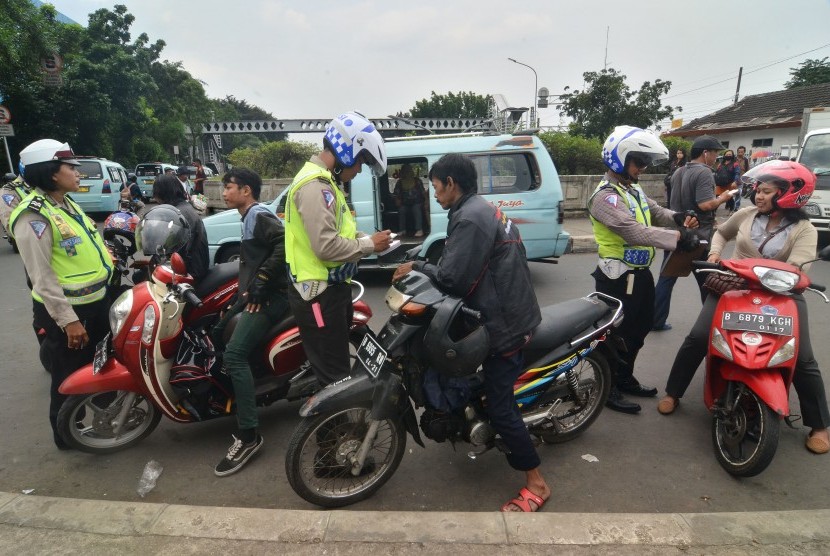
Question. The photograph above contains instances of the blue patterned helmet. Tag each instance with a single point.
(627, 141)
(350, 135)
(20, 169)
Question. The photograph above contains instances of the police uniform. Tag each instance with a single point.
(69, 267)
(622, 219)
(322, 249)
(10, 196)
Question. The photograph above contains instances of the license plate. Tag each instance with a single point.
(83, 189)
(102, 354)
(757, 322)
(371, 355)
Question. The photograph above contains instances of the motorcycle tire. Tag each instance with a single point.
(316, 462)
(745, 439)
(84, 422)
(576, 409)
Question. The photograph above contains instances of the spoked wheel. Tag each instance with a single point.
(319, 461)
(744, 432)
(578, 397)
(86, 422)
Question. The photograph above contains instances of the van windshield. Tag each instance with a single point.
(90, 170)
(148, 170)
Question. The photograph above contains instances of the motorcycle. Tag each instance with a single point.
(751, 359)
(353, 433)
(159, 360)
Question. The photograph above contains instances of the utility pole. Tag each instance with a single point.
(605, 62)
(535, 89)
(738, 90)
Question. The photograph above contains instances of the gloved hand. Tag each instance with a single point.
(680, 217)
(689, 240)
(257, 291)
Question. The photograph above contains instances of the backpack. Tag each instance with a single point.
(724, 175)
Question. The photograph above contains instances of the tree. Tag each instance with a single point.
(810, 72)
(607, 101)
(461, 105)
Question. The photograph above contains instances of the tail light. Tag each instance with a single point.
(107, 188)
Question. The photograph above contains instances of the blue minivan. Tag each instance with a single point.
(515, 173)
(101, 182)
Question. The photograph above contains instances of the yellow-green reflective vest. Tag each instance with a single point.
(79, 257)
(302, 262)
(611, 245)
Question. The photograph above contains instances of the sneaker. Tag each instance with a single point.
(238, 455)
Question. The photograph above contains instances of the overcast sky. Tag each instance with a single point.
(315, 59)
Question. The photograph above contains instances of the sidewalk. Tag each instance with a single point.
(582, 235)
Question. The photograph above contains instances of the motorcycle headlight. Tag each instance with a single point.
(395, 299)
(778, 281)
(720, 344)
(784, 353)
(119, 311)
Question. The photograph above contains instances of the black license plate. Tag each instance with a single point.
(102, 354)
(371, 355)
(758, 322)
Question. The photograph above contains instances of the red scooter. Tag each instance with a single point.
(753, 348)
(159, 359)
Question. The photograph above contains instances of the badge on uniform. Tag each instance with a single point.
(8, 198)
(38, 227)
(69, 245)
(328, 198)
(612, 200)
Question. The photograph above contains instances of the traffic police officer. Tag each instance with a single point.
(67, 262)
(13, 191)
(622, 218)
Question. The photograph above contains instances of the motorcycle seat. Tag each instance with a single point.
(216, 276)
(562, 321)
(280, 326)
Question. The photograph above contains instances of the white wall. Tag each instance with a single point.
(781, 139)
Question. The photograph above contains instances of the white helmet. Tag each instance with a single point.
(627, 141)
(46, 150)
(351, 134)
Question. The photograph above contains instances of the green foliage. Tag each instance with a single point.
(673, 144)
(278, 159)
(810, 72)
(607, 101)
(572, 154)
(451, 105)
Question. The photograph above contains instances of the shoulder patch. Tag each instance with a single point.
(36, 204)
(328, 198)
(8, 198)
(612, 199)
(38, 227)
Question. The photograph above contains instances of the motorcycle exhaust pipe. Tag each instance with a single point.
(538, 417)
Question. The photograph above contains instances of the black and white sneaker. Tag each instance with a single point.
(238, 455)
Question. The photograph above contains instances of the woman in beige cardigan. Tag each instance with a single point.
(775, 228)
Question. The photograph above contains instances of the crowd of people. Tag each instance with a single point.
(304, 265)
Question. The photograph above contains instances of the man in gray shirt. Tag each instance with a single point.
(693, 188)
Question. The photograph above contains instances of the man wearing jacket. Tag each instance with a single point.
(484, 262)
(262, 302)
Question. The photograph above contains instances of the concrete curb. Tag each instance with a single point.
(135, 519)
(582, 244)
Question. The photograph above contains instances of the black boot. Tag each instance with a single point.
(617, 402)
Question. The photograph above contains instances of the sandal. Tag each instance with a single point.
(523, 500)
(817, 445)
(667, 405)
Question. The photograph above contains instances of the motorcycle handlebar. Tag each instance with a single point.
(818, 287)
(190, 297)
(700, 265)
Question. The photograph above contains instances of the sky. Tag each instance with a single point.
(317, 59)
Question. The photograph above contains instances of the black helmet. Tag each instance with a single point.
(132, 178)
(162, 231)
(454, 344)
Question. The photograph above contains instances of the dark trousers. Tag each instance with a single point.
(62, 361)
(247, 335)
(324, 324)
(663, 292)
(638, 310)
(807, 381)
(500, 373)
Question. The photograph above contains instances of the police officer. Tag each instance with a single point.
(13, 191)
(67, 262)
(322, 244)
(622, 218)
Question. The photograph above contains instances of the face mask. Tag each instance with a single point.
(729, 158)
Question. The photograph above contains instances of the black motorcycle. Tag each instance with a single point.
(353, 433)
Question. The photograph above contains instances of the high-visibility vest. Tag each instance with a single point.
(79, 257)
(611, 245)
(302, 261)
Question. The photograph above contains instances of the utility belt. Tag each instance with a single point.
(309, 289)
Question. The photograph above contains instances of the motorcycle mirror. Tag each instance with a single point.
(177, 264)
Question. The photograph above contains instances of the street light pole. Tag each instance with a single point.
(535, 88)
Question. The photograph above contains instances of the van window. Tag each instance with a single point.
(506, 172)
(115, 176)
(90, 170)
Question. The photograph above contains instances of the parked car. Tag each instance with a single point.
(101, 182)
(146, 173)
(515, 173)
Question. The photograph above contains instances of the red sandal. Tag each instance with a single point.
(523, 500)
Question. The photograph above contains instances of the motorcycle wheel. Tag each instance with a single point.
(85, 421)
(746, 438)
(316, 462)
(577, 408)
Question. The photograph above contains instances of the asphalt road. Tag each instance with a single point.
(647, 462)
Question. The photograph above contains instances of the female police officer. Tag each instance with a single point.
(66, 260)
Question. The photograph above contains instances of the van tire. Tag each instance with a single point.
(434, 252)
(228, 253)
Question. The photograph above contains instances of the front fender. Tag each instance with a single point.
(339, 395)
(113, 376)
(768, 384)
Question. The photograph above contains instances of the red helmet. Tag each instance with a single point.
(796, 182)
(122, 220)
